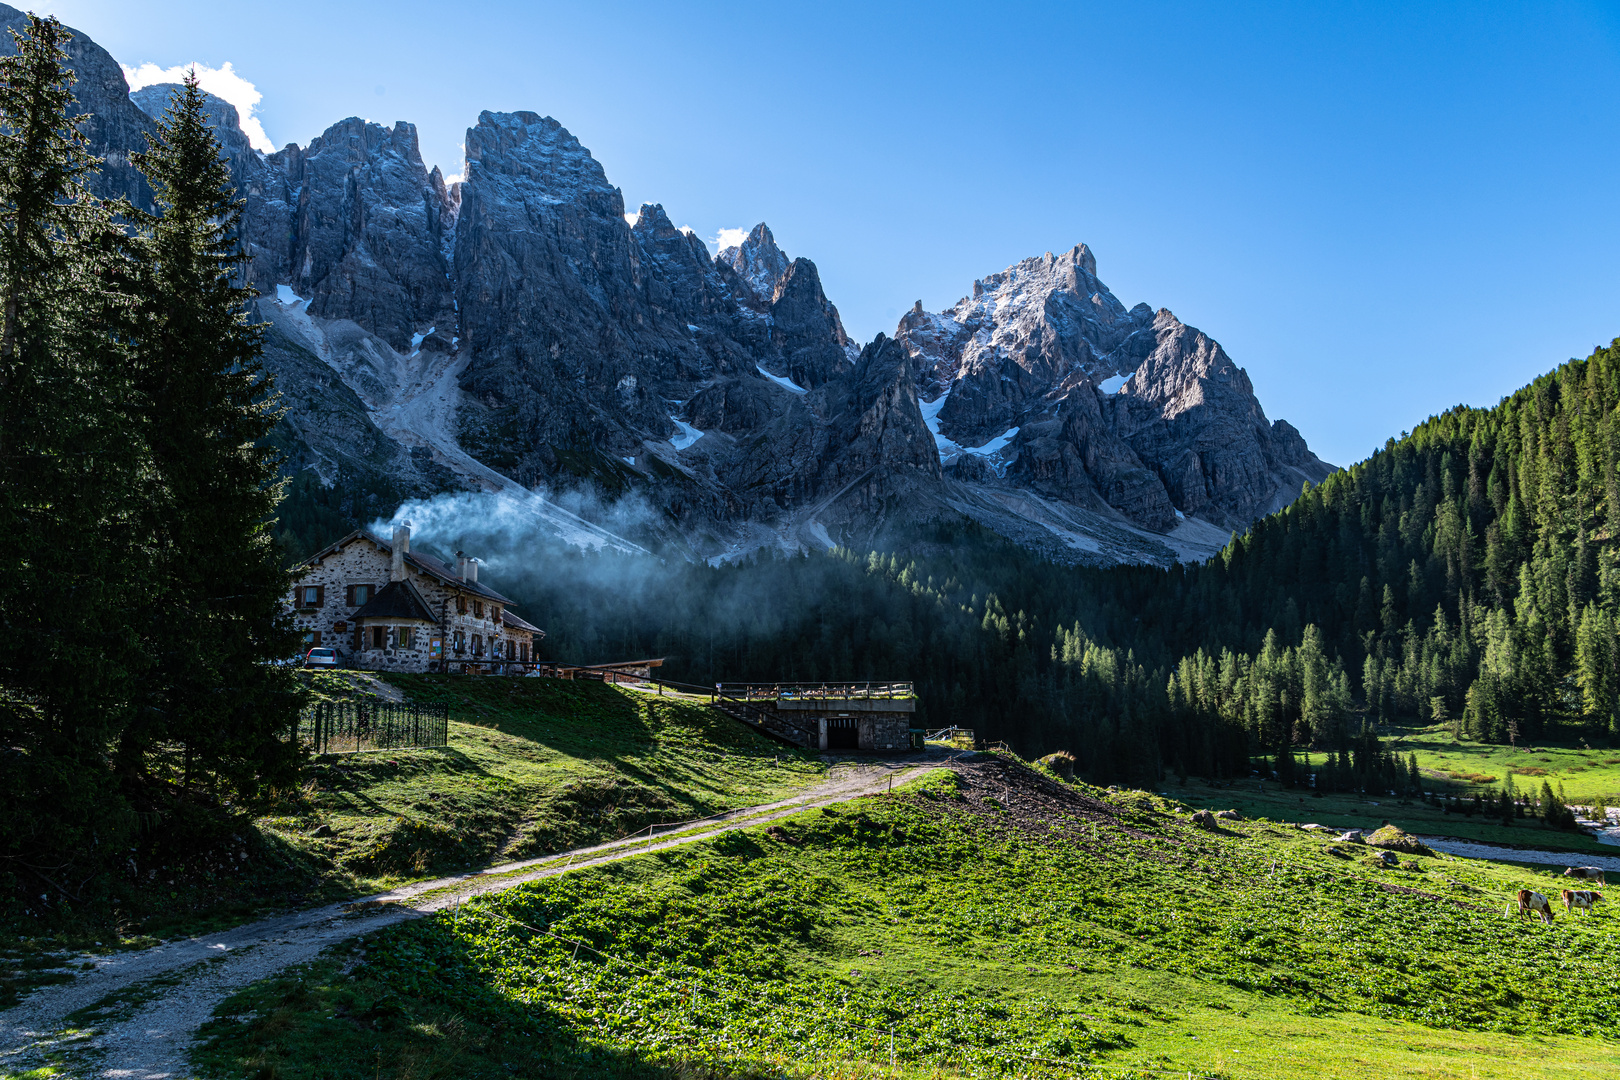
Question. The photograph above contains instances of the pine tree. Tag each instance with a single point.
(219, 589)
(68, 479)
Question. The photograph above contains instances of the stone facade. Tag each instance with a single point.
(445, 621)
(881, 725)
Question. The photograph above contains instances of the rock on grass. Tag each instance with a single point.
(1395, 839)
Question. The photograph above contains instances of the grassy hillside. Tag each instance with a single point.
(532, 765)
(987, 922)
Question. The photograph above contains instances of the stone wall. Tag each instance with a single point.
(885, 732)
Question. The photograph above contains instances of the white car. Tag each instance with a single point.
(321, 658)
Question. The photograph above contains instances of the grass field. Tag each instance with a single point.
(1343, 811)
(1583, 772)
(986, 922)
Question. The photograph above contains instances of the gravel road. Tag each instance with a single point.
(181, 982)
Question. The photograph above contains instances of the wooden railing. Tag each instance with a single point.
(827, 691)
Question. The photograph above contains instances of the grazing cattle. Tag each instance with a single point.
(1532, 903)
(1586, 873)
(1580, 898)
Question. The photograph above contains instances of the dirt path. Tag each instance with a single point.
(171, 990)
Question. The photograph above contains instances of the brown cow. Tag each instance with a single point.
(1532, 903)
(1586, 873)
(1580, 898)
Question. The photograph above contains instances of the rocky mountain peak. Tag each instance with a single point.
(113, 124)
(759, 262)
(524, 147)
(1047, 379)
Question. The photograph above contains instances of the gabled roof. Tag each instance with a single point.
(427, 564)
(397, 600)
(509, 619)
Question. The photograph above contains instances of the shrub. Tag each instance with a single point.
(1060, 763)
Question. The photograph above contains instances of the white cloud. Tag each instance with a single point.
(633, 218)
(223, 82)
(688, 230)
(729, 238)
(453, 178)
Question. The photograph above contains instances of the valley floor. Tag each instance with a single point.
(983, 918)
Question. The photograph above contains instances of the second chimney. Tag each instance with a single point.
(468, 567)
(402, 548)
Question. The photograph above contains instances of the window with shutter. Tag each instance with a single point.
(379, 637)
(478, 609)
(461, 604)
(406, 636)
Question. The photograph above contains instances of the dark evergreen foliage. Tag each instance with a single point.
(70, 473)
(215, 621)
(140, 589)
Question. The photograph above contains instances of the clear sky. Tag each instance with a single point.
(1380, 210)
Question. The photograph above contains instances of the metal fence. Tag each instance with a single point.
(348, 727)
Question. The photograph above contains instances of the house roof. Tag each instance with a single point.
(427, 564)
(509, 619)
(397, 600)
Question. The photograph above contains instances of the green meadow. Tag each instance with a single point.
(992, 921)
(1582, 771)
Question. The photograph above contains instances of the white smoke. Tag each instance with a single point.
(503, 529)
(223, 82)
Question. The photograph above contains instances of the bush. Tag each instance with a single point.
(1060, 763)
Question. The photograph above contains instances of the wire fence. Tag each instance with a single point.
(353, 726)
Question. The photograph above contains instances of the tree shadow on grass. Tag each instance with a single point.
(417, 1006)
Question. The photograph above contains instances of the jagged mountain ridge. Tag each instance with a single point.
(515, 331)
(1086, 401)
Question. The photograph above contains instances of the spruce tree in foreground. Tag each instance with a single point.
(218, 588)
(69, 487)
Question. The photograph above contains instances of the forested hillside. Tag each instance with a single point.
(1465, 572)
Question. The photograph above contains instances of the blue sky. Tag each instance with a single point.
(1380, 210)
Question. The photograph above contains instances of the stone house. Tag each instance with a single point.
(384, 607)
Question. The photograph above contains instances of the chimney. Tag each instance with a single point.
(468, 566)
(402, 548)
